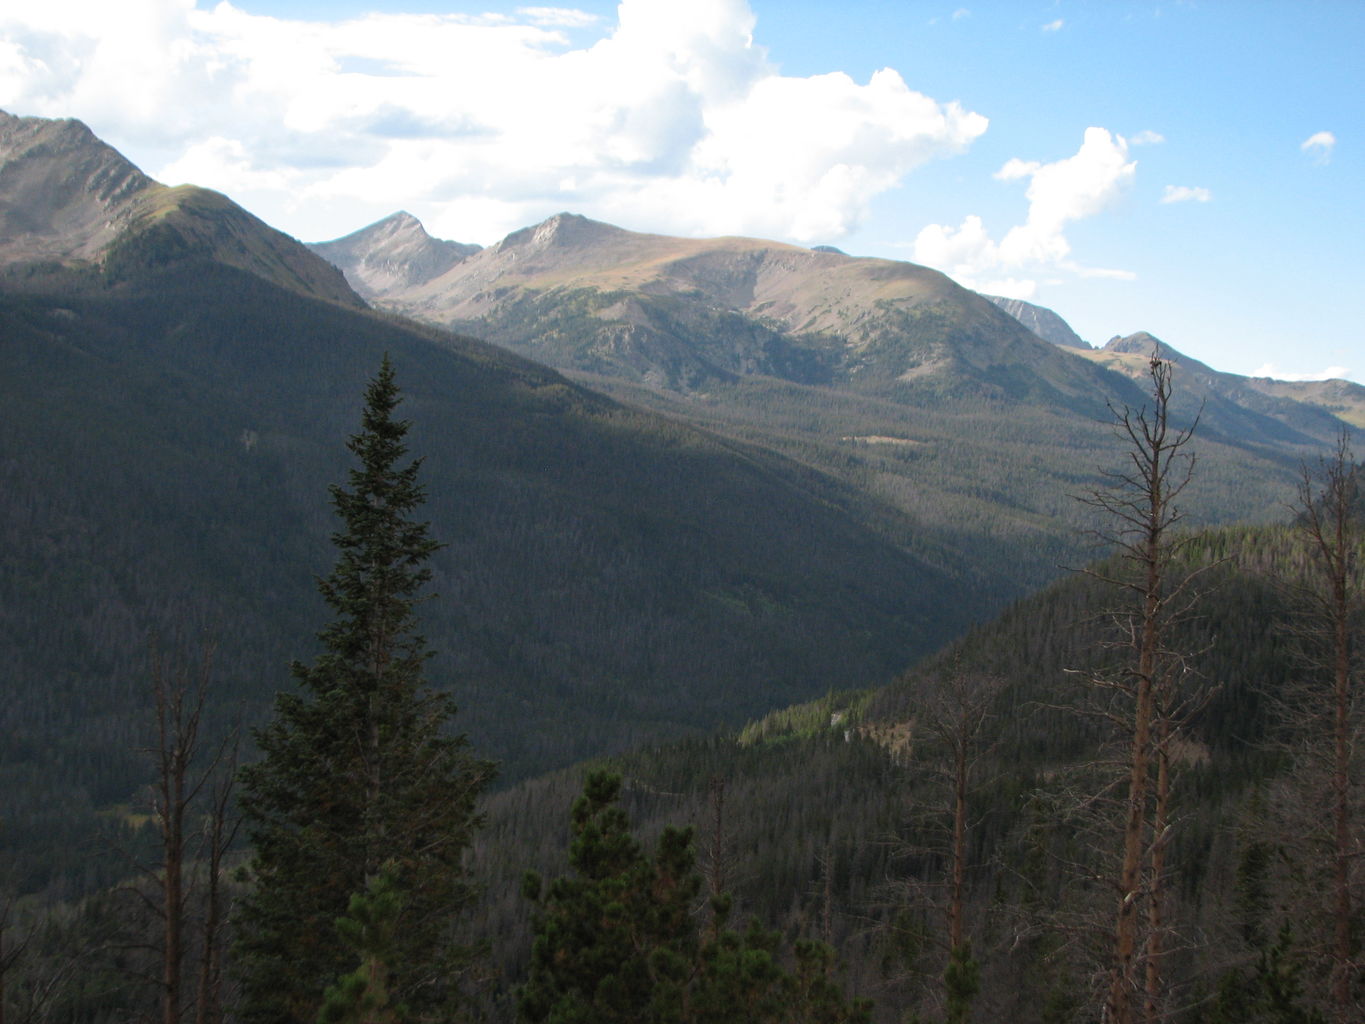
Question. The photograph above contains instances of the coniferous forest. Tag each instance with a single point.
(1133, 796)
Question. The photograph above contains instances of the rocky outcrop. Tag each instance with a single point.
(64, 194)
(1041, 321)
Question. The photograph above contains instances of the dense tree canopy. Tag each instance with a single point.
(619, 939)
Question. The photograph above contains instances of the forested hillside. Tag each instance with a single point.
(607, 576)
(833, 819)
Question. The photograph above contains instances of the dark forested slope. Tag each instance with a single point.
(835, 813)
(608, 577)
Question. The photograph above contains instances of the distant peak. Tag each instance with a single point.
(1142, 343)
(401, 223)
(562, 231)
(835, 250)
(1040, 320)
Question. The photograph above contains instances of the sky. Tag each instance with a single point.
(1192, 169)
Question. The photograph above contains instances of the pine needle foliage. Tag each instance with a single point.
(620, 939)
(358, 769)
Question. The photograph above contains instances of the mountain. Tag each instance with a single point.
(170, 429)
(884, 374)
(1342, 399)
(68, 199)
(1041, 321)
(685, 314)
(392, 256)
(1235, 405)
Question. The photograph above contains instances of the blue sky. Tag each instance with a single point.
(1190, 169)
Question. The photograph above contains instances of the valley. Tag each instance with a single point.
(727, 517)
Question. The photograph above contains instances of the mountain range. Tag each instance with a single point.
(887, 375)
(681, 482)
(589, 297)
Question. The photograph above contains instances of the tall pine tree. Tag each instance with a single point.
(358, 770)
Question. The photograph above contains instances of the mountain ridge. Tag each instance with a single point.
(677, 312)
(69, 199)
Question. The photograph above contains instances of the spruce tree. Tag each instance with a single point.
(618, 940)
(358, 770)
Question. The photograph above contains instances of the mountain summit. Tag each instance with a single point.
(67, 198)
(392, 256)
(64, 194)
(682, 313)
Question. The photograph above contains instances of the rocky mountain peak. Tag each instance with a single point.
(392, 254)
(562, 231)
(64, 194)
(68, 198)
(1041, 321)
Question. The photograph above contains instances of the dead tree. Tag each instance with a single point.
(949, 752)
(956, 716)
(1139, 506)
(1330, 521)
(187, 776)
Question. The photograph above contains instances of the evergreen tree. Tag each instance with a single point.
(618, 940)
(369, 930)
(357, 768)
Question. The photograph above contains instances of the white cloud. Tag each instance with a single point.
(1058, 193)
(1273, 371)
(1147, 138)
(565, 16)
(1319, 146)
(227, 163)
(1054, 26)
(1186, 194)
(961, 13)
(670, 119)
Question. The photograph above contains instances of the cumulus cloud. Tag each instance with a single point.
(671, 118)
(1319, 146)
(1275, 373)
(1058, 194)
(1185, 194)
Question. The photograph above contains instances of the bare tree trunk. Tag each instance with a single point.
(716, 860)
(1123, 977)
(955, 715)
(183, 773)
(222, 830)
(1153, 1010)
(961, 765)
(177, 735)
(1150, 441)
(1329, 520)
(1140, 502)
